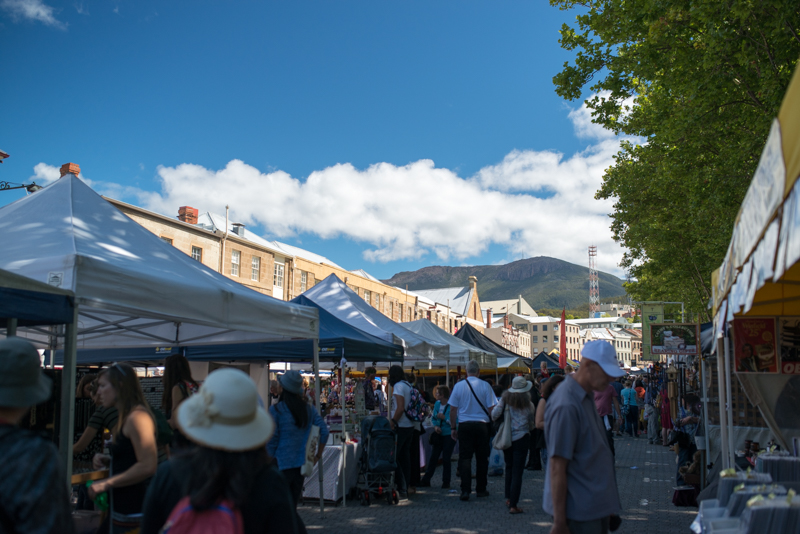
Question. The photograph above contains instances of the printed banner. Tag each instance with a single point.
(755, 345)
(790, 345)
(651, 313)
(675, 338)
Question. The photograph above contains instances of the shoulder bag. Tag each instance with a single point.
(312, 446)
(492, 428)
(503, 439)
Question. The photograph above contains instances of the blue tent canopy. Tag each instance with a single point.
(473, 337)
(33, 303)
(544, 357)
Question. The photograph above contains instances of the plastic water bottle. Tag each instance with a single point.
(101, 500)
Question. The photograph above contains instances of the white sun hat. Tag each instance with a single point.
(224, 414)
(520, 385)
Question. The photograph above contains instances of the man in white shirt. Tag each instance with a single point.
(470, 405)
(403, 427)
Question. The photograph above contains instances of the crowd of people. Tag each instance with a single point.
(218, 453)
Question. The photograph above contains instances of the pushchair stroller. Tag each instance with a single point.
(378, 461)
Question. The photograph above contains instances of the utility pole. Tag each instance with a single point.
(594, 282)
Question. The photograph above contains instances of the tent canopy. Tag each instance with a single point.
(335, 297)
(544, 357)
(461, 352)
(33, 303)
(469, 334)
(132, 288)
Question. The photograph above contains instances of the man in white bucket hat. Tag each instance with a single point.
(580, 489)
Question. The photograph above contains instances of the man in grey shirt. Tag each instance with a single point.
(580, 488)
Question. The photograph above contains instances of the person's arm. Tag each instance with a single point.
(272, 444)
(86, 438)
(558, 490)
(616, 405)
(454, 422)
(540, 414)
(141, 430)
(400, 400)
(323, 433)
(177, 398)
(497, 411)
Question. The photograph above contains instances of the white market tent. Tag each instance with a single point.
(334, 296)
(461, 352)
(131, 288)
(760, 277)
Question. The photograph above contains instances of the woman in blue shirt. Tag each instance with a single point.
(293, 419)
(631, 409)
(443, 444)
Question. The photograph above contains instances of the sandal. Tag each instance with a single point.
(515, 511)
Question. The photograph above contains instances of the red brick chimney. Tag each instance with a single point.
(489, 318)
(187, 214)
(70, 168)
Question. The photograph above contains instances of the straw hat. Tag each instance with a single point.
(225, 414)
(520, 385)
(22, 382)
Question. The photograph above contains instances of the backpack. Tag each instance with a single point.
(417, 409)
(221, 518)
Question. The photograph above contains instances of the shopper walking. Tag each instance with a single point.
(403, 427)
(541, 408)
(516, 407)
(133, 457)
(442, 443)
(580, 489)
(666, 417)
(606, 402)
(33, 489)
(537, 437)
(470, 402)
(229, 466)
(630, 410)
(293, 421)
(178, 385)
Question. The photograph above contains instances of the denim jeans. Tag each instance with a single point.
(445, 450)
(473, 439)
(514, 457)
(632, 421)
(543, 454)
(403, 473)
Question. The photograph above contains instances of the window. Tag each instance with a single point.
(544, 328)
(555, 328)
(236, 257)
(277, 275)
(197, 254)
(535, 328)
(166, 240)
(544, 339)
(536, 350)
(366, 296)
(303, 281)
(535, 339)
(555, 338)
(377, 301)
(255, 269)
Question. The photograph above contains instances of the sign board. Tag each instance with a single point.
(675, 338)
(651, 313)
(790, 345)
(755, 345)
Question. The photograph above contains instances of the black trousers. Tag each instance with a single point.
(403, 473)
(295, 482)
(473, 440)
(445, 450)
(514, 457)
(535, 459)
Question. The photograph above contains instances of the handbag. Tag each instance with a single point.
(435, 439)
(492, 428)
(312, 446)
(503, 439)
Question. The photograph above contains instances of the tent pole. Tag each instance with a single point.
(67, 417)
(11, 327)
(729, 402)
(723, 419)
(317, 395)
(344, 439)
(447, 372)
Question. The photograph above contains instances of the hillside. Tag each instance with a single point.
(544, 282)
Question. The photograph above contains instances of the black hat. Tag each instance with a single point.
(22, 382)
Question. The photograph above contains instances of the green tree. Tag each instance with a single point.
(699, 82)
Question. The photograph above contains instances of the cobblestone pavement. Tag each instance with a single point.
(645, 475)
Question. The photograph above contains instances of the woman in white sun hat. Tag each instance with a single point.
(228, 469)
(521, 413)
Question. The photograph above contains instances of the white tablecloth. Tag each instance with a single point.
(333, 484)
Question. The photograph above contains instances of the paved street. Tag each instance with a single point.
(646, 493)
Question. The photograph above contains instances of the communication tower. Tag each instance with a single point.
(594, 282)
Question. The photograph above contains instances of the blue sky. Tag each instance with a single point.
(385, 135)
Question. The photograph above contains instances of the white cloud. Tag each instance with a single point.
(44, 174)
(533, 203)
(33, 10)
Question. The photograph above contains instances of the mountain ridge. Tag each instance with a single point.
(543, 281)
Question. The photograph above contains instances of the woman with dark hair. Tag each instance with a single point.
(547, 389)
(442, 445)
(228, 470)
(178, 385)
(516, 407)
(294, 418)
(133, 457)
(85, 389)
(403, 427)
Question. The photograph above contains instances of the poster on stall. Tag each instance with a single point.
(790, 345)
(755, 345)
(651, 313)
(675, 338)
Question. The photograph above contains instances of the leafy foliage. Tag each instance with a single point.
(699, 81)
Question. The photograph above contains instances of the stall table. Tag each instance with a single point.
(333, 468)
